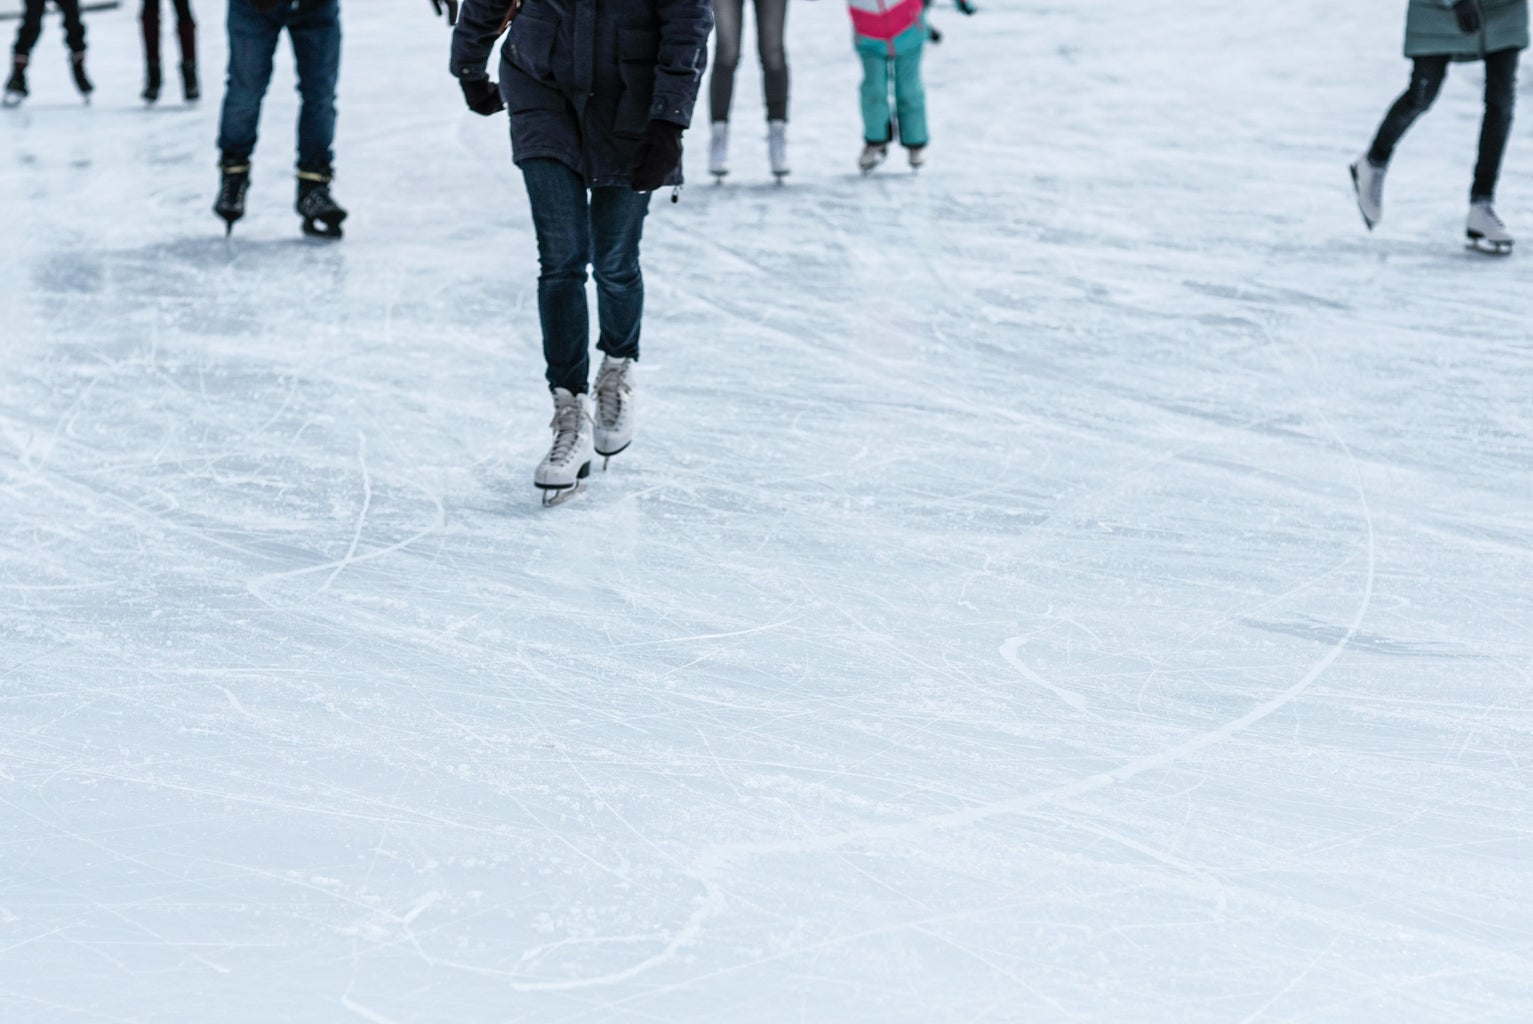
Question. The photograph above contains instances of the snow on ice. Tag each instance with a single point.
(1085, 582)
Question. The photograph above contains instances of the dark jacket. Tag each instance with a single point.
(583, 78)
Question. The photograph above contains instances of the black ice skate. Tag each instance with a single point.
(16, 85)
(321, 214)
(191, 89)
(230, 204)
(77, 68)
(152, 83)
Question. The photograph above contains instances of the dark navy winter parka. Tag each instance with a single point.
(583, 78)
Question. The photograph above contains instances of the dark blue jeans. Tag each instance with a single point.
(577, 228)
(315, 30)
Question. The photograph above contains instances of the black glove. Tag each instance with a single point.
(481, 95)
(658, 155)
(1468, 14)
(964, 6)
(452, 9)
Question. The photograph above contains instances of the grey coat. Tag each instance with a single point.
(1431, 30)
(583, 78)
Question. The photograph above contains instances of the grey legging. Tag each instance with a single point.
(771, 22)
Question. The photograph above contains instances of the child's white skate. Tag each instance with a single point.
(1485, 231)
(777, 148)
(873, 154)
(718, 151)
(917, 158)
(1368, 185)
(614, 407)
(561, 475)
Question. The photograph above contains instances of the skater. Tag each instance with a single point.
(186, 33)
(314, 26)
(26, 38)
(1437, 32)
(593, 137)
(889, 37)
(771, 24)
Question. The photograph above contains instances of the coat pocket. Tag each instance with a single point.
(637, 52)
(530, 48)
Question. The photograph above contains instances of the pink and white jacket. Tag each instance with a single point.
(885, 20)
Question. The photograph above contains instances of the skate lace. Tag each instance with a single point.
(566, 428)
(611, 388)
(1489, 213)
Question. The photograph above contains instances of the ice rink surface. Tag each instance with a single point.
(1086, 582)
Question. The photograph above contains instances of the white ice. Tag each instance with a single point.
(1086, 582)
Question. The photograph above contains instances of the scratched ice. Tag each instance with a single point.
(1087, 582)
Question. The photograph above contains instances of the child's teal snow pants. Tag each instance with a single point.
(909, 94)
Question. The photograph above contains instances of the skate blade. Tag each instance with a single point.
(606, 457)
(558, 494)
(323, 230)
(1357, 194)
(1488, 248)
(553, 497)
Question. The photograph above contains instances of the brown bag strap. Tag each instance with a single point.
(516, 5)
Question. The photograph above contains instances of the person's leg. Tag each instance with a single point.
(74, 26)
(875, 95)
(910, 95)
(316, 36)
(149, 19)
(617, 227)
(252, 42)
(771, 28)
(1427, 74)
(727, 25)
(561, 218)
(186, 31)
(1500, 102)
(31, 27)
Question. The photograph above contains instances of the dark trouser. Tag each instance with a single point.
(600, 229)
(316, 36)
(771, 23)
(32, 26)
(1426, 81)
(186, 29)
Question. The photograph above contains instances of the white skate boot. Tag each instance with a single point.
(1485, 231)
(1368, 184)
(718, 151)
(568, 462)
(614, 407)
(917, 157)
(873, 154)
(777, 148)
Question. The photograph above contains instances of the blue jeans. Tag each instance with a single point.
(316, 35)
(577, 229)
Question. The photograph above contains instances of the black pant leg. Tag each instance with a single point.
(1427, 74)
(31, 27)
(1500, 102)
(74, 28)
